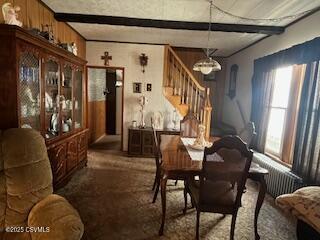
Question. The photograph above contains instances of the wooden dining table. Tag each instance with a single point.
(177, 164)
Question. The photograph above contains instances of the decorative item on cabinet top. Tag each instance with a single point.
(10, 14)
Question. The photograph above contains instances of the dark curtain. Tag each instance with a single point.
(262, 86)
(263, 77)
(306, 158)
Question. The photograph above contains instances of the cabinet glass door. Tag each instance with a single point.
(66, 99)
(29, 91)
(78, 100)
(52, 81)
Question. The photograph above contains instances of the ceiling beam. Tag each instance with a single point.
(178, 25)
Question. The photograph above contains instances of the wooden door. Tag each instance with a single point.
(147, 143)
(82, 147)
(111, 101)
(29, 86)
(134, 143)
(57, 156)
(72, 154)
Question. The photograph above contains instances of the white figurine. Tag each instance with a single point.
(157, 120)
(143, 101)
(10, 14)
(200, 139)
(74, 48)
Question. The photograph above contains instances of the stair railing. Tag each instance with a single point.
(178, 77)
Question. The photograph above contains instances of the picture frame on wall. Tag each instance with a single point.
(233, 81)
(136, 87)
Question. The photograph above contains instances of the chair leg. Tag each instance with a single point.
(156, 191)
(233, 224)
(154, 182)
(197, 226)
(192, 203)
(185, 197)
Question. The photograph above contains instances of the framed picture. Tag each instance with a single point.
(136, 87)
(233, 81)
(149, 87)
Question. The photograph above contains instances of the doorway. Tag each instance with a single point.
(105, 106)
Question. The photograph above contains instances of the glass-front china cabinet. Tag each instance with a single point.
(42, 87)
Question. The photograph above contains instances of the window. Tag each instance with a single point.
(278, 112)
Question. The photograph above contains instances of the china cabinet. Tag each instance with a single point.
(42, 87)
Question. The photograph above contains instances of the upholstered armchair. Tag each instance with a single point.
(28, 209)
(304, 204)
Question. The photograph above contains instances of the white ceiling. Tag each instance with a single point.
(180, 10)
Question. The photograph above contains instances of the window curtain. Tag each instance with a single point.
(262, 87)
(306, 158)
(263, 79)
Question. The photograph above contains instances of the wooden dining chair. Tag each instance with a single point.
(221, 183)
(189, 125)
(157, 157)
(158, 161)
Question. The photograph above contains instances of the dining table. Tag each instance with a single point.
(178, 164)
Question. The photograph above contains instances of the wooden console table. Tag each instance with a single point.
(141, 142)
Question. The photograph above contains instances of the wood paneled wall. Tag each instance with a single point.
(190, 56)
(34, 14)
(96, 120)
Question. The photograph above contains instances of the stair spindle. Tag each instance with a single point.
(191, 107)
(180, 80)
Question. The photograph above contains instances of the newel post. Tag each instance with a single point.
(207, 114)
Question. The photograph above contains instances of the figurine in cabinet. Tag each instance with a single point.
(54, 123)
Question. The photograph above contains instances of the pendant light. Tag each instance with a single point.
(207, 65)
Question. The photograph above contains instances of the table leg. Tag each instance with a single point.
(261, 195)
(163, 203)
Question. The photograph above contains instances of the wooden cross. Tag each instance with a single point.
(106, 57)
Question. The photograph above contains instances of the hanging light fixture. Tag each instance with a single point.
(207, 65)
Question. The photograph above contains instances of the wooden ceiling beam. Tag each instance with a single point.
(165, 24)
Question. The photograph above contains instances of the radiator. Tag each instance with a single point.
(280, 179)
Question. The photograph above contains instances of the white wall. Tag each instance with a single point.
(127, 56)
(118, 110)
(300, 32)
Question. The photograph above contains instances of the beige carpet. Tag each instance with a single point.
(113, 196)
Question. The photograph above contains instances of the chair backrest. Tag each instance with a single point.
(189, 125)
(25, 174)
(247, 133)
(234, 167)
(157, 152)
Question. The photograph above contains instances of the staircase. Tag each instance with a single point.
(183, 91)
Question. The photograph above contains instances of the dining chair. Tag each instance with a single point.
(157, 157)
(189, 125)
(158, 161)
(222, 179)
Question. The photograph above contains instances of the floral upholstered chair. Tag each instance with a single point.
(304, 204)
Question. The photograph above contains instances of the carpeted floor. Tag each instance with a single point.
(113, 196)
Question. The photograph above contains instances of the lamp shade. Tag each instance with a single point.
(206, 66)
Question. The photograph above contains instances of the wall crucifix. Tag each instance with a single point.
(106, 57)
